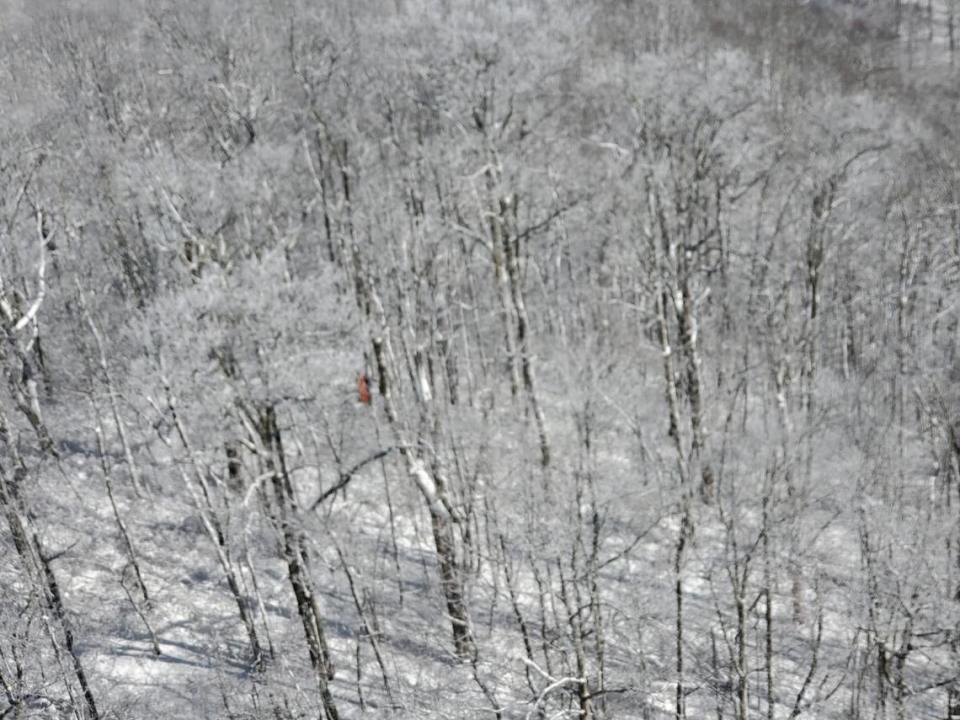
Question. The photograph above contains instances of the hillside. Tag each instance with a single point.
(468, 360)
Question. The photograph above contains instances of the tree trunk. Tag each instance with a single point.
(38, 568)
(511, 251)
(296, 556)
(434, 494)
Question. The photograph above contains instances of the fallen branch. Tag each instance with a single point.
(346, 477)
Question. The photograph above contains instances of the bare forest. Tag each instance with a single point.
(533, 360)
